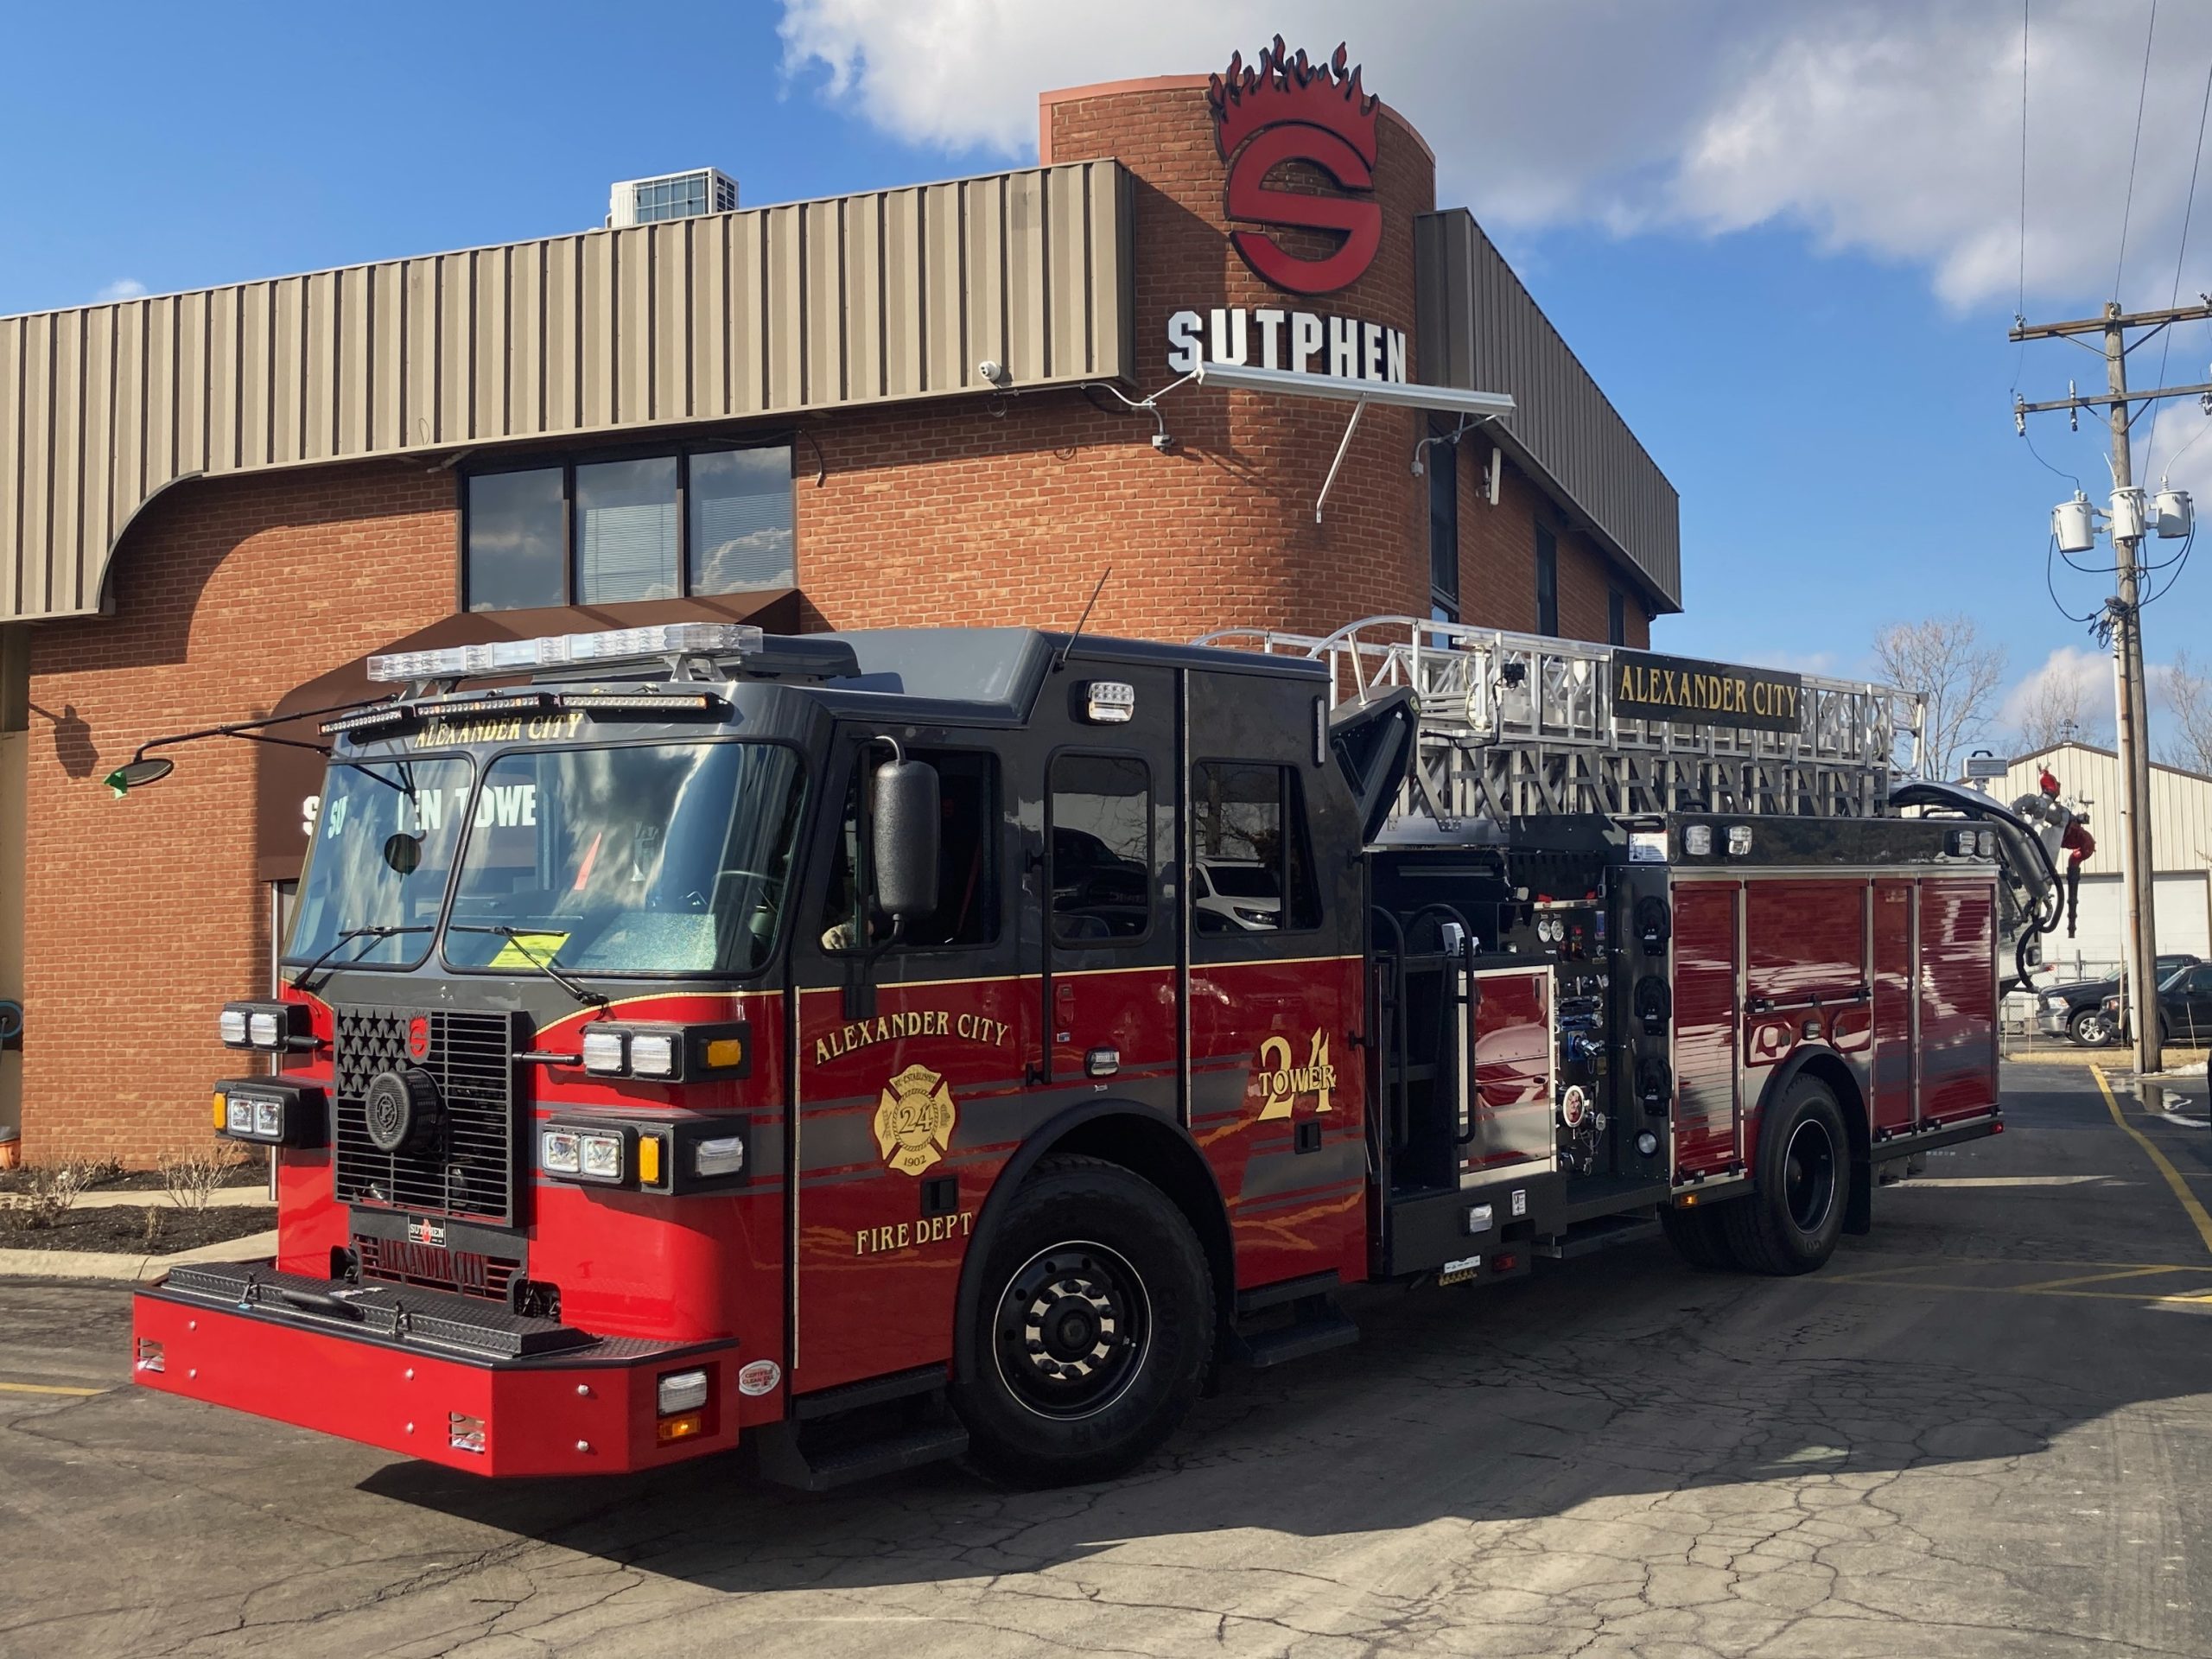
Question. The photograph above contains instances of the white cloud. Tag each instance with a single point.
(1889, 127)
(125, 288)
(2071, 682)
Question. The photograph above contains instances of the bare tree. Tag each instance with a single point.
(2187, 695)
(1944, 658)
(2056, 710)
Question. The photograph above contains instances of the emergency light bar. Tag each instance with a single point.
(556, 650)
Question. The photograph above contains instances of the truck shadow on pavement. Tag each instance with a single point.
(1627, 1378)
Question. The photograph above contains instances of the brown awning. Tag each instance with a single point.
(286, 778)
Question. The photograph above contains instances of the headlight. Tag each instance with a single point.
(558, 1154)
(261, 1028)
(652, 1054)
(271, 1112)
(268, 1118)
(603, 1052)
(232, 1023)
(680, 1391)
(601, 1157)
(723, 1155)
(237, 1116)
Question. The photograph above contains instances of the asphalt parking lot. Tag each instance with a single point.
(1984, 1430)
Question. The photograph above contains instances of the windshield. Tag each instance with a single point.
(664, 858)
(382, 845)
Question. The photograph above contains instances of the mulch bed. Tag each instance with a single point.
(120, 1229)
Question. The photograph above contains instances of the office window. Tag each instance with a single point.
(1443, 531)
(600, 532)
(1101, 831)
(1255, 870)
(1547, 580)
(1616, 618)
(517, 540)
(625, 531)
(966, 868)
(740, 530)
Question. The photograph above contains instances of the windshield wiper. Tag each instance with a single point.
(515, 936)
(371, 931)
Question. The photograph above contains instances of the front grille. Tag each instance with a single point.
(471, 1172)
(468, 1272)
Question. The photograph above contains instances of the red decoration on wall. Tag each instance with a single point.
(1283, 109)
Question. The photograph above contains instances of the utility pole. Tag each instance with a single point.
(2139, 982)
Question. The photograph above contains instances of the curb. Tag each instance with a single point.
(127, 1268)
(224, 1198)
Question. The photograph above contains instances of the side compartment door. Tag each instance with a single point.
(1896, 1059)
(906, 1109)
(1958, 999)
(1277, 986)
(1707, 1014)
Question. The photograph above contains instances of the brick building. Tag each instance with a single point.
(910, 407)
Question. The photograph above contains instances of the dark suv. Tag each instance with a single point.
(2184, 1007)
(2078, 1011)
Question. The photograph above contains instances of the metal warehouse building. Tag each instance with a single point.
(905, 406)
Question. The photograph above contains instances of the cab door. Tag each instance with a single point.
(1277, 1001)
(910, 1055)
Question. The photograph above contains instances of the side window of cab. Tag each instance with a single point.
(967, 915)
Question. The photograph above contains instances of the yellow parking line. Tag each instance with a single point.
(2100, 1278)
(2196, 1210)
(44, 1388)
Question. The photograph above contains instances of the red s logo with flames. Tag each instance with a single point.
(1283, 110)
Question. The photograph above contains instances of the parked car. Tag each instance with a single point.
(2078, 1011)
(2184, 1007)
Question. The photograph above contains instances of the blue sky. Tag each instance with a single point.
(1787, 249)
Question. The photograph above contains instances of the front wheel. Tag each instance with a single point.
(1089, 1329)
(1792, 1223)
(2090, 1028)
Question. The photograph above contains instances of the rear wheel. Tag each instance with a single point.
(1791, 1223)
(1699, 1237)
(1090, 1327)
(2089, 1027)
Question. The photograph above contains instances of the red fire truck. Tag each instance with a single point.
(880, 1046)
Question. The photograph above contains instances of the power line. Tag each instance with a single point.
(2127, 202)
(2181, 257)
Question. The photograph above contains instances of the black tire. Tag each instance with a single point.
(2089, 1027)
(1699, 1236)
(1790, 1224)
(1090, 1329)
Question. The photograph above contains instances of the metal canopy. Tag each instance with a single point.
(1471, 407)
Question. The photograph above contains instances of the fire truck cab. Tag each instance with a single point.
(883, 1046)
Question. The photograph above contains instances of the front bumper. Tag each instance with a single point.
(2054, 1021)
(421, 1373)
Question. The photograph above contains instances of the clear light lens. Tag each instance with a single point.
(723, 1155)
(603, 1156)
(1697, 839)
(150, 1357)
(557, 1152)
(232, 1023)
(1740, 840)
(1647, 1143)
(261, 1028)
(237, 1116)
(652, 1054)
(680, 1391)
(1986, 841)
(268, 1118)
(1111, 702)
(713, 639)
(603, 1052)
(465, 1434)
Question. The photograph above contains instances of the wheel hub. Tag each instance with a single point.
(1808, 1175)
(1072, 1330)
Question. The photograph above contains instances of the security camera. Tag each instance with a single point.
(995, 372)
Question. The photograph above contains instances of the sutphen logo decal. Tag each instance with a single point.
(1284, 110)
(1283, 1085)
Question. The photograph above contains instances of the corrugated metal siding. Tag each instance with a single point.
(1477, 328)
(773, 311)
(2181, 805)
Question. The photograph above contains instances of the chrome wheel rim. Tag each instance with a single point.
(1071, 1330)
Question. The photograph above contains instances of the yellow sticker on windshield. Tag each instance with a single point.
(528, 951)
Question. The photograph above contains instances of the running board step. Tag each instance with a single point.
(787, 1459)
(1319, 1326)
(1588, 1237)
